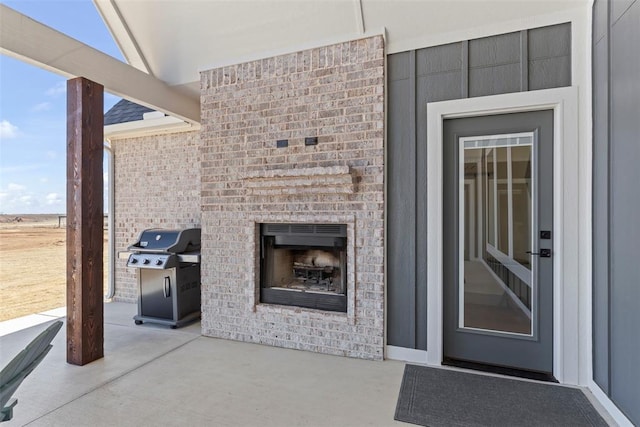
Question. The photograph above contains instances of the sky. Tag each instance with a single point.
(33, 111)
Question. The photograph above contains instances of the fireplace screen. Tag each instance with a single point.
(304, 265)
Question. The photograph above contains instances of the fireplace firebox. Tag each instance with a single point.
(304, 265)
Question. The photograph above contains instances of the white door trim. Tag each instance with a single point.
(567, 343)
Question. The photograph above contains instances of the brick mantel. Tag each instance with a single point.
(302, 181)
(335, 94)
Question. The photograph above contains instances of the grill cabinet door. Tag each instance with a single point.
(157, 288)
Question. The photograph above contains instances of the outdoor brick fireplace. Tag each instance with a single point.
(296, 143)
(304, 265)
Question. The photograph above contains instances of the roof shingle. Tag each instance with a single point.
(125, 111)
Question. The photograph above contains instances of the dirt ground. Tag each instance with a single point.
(33, 264)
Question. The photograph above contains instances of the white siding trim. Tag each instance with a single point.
(154, 126)
(406, 354)
(610, 407)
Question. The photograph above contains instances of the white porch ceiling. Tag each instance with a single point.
(167, 43)
(178, 38)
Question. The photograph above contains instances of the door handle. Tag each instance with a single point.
(167, 287)
(544, 253)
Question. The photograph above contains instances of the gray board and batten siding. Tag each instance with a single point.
(526, 60)
(616, 202)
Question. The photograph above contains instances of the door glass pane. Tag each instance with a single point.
(496, 212)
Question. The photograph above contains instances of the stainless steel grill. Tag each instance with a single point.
(169, 276)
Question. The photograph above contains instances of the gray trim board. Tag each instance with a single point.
(601, 211)
(400, 233)
(616, 155)
(465, 70)
(618, 9)
(624, 174)
(549, 51)
(524, 61)
(494, 65)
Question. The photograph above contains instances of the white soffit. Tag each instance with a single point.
(121, 34)
(179, 38)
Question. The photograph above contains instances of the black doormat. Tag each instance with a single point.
(440, 397)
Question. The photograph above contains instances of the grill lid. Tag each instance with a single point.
(161, 240)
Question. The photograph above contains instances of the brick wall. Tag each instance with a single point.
(335, 93)
(157, 185)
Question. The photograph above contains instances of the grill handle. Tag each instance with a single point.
(167, 287)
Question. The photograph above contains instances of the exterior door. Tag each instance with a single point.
(497, 224)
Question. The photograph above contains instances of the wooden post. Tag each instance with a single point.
(85, 234)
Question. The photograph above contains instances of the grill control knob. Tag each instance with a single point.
(134, 260)
(145, 261)
(159, 262)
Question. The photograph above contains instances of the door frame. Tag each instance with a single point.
(568, 344)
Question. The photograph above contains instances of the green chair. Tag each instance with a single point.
(22, 365)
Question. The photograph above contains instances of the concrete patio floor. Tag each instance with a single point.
(152, 375)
